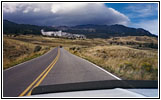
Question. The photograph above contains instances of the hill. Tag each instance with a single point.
(89, 30)
(14, 28)
(106, 31)
(131, 57)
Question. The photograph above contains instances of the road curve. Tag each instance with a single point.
(67, 69)
(17, 78)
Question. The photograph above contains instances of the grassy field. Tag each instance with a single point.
(132, 58)
(129, 57)
(125, 62)
(15, 51)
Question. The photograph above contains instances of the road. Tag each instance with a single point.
(55, 67)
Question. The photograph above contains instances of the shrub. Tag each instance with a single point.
(147, 67)
(37, 48)
(72, 48)
(127, 66)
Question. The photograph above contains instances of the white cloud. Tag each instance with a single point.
(142, 10)
(150, 25)
(63, 13)
(87, 13)
(67, 7)
(36, 9)
(27, 9)
(10, 8)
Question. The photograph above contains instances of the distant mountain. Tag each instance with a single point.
(14, 28)
(89, 30)
(104, 31)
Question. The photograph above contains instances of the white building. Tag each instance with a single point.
(62, 34)
(51, 33)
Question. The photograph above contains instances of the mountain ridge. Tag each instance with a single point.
(89, 30)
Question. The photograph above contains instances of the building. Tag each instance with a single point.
(63, 34)
(51, 33)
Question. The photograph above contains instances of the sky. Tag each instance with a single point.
(137, 15)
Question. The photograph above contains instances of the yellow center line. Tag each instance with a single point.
(39, 82)
(46, 71)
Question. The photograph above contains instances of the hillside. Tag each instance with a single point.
(132, 57)
(16, 51)
(90, 31)
(14, 28)
(106, 31)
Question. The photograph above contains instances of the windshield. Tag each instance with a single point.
(51, 47)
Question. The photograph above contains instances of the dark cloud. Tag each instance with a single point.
(62, 13)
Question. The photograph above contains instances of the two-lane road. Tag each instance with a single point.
(55, 67)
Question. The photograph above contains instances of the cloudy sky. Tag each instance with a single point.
(138, 15)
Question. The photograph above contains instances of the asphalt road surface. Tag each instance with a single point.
(55, 67)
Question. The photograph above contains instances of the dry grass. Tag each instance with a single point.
(53, 42)
(139, 39)
(15, 52)
(127, 57)
(138, 42)
(125, 62)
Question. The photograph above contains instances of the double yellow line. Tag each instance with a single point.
(40, 78)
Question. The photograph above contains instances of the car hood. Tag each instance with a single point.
(110, 93)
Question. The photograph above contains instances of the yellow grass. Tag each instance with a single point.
(127, 57)
(15, 52)
(125, 62)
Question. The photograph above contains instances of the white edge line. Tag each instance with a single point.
(28, 61)
(102, 69)
(98, 67)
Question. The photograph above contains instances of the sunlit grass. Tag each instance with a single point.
(15, 52)
(125, 62)
(127, 57)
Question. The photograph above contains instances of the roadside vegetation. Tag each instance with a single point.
(132, 57)
(125, 62)
(15, 51)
